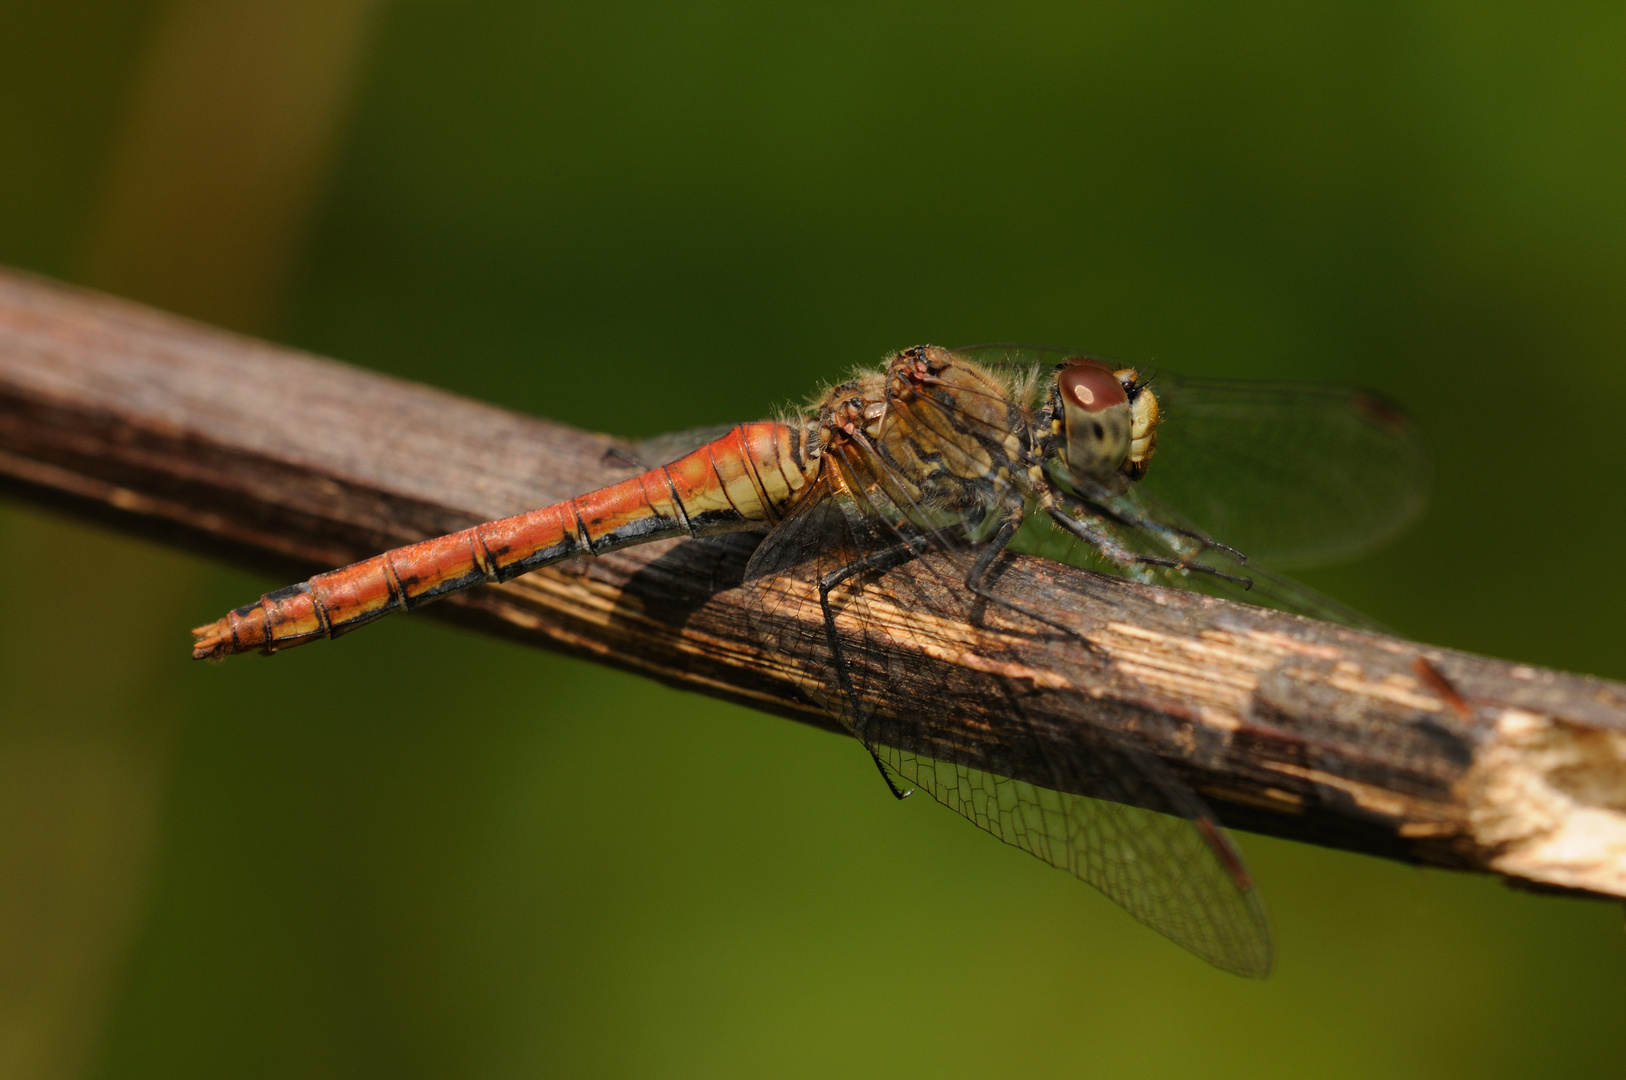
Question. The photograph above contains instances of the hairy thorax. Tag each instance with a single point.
(937, 434)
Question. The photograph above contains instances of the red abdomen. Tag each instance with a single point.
(742, 480)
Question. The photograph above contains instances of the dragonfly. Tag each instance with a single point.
(951, 459)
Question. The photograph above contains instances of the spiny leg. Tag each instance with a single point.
(1116, 552)
(897, 792)
(976, 580)
(1135, 521)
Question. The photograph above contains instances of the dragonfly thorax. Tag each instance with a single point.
(954, 429)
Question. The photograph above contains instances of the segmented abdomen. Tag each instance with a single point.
(742, 480)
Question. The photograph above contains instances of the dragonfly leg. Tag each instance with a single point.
(1116, 552)
(875, 561)
(885, 559)
(891, 785)
(976, 580)
(1135, 521)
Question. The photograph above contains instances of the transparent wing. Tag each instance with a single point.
(1164, 870)
(1146, 526)
(1292, 474)
(1139, 836)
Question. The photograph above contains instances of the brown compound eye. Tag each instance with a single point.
(1090, 385)
(1096, 421)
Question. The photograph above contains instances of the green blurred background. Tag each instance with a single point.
(463, 858)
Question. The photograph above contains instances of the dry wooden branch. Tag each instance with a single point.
(1288, 726)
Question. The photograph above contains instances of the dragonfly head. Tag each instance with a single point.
(1107, 420)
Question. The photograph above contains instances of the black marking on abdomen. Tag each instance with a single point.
(711, 522)
(286, 592)
(398, 592)
(677, 500)
(638, 530)
(582, 534)
(763, 499)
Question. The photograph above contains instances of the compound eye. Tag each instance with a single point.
(1090, 385)
(1096, 418)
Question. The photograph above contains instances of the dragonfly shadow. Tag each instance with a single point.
(673, 586)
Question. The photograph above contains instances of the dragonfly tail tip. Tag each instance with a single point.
(212, 642)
